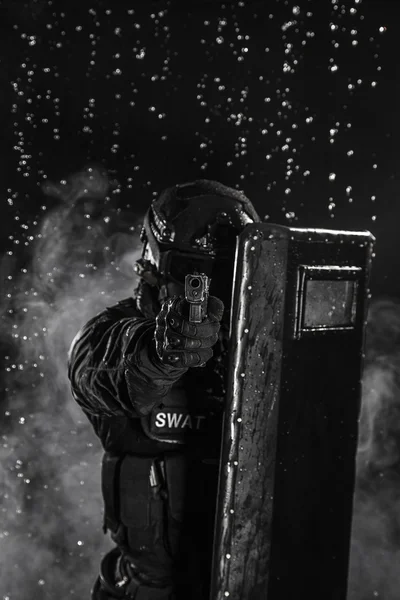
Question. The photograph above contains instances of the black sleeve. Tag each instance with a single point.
(114, 369)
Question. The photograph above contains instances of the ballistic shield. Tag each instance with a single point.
(284, 509)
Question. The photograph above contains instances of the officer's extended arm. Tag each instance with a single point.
(126, 365)
(114, 368)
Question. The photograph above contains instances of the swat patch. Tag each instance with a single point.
(169, 420)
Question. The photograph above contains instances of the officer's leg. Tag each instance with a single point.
(147, 525)
(113, 583)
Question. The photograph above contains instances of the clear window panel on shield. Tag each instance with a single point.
(329, 304)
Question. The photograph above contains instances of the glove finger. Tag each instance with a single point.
(175, 340)
(159, 332)
(159, 337)
(204, 330)
(159, 347)
(208, 342)
(215, 309)
(181, 306)
(187, 359)
(160, 318)
(204, 354)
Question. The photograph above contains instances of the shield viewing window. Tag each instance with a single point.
(326, 299)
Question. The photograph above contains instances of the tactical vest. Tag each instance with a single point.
(176, 433)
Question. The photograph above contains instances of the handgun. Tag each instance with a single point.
(197, 287)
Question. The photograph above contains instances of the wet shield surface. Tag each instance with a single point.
(287, 472)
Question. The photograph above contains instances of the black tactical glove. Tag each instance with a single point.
(181, 343)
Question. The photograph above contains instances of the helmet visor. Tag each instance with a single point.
(175, 265)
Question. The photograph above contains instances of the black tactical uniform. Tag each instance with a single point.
(158, 418)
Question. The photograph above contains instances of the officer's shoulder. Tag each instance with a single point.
(124, 308)
(94, 328)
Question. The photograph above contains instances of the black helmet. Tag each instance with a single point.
(193, 227)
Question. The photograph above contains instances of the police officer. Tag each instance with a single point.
(152, 384)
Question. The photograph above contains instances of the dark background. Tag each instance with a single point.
(163, 119)
(103, 104)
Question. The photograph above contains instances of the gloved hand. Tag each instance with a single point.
(181, 343)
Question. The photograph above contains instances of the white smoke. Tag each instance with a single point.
(375, 547)
(51, 538)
